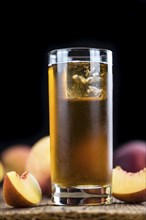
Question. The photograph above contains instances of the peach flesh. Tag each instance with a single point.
(21, 191)
(129, 187)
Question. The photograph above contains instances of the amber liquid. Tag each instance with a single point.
(80, 148)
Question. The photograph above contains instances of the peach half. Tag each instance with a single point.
(21, 191)
(129, 187)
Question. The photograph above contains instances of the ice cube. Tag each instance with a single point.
(92, 90)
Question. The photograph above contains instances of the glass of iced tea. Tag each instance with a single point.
(80, 106)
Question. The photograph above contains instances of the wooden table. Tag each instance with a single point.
(47, 211)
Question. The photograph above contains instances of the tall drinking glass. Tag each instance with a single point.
(80, 105)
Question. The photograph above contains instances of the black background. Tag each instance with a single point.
(28, 33)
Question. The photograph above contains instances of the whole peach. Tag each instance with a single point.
(14, 158)
(2, 172)
(131, 156)
(38, 163)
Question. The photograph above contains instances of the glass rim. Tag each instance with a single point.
(79, 54)
(79, 48)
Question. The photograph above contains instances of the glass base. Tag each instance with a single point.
(82, 195)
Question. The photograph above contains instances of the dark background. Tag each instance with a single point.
(28, 33)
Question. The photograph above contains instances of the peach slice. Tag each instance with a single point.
(129, 187)
(21, 191)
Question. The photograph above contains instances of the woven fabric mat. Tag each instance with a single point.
(47, 211)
